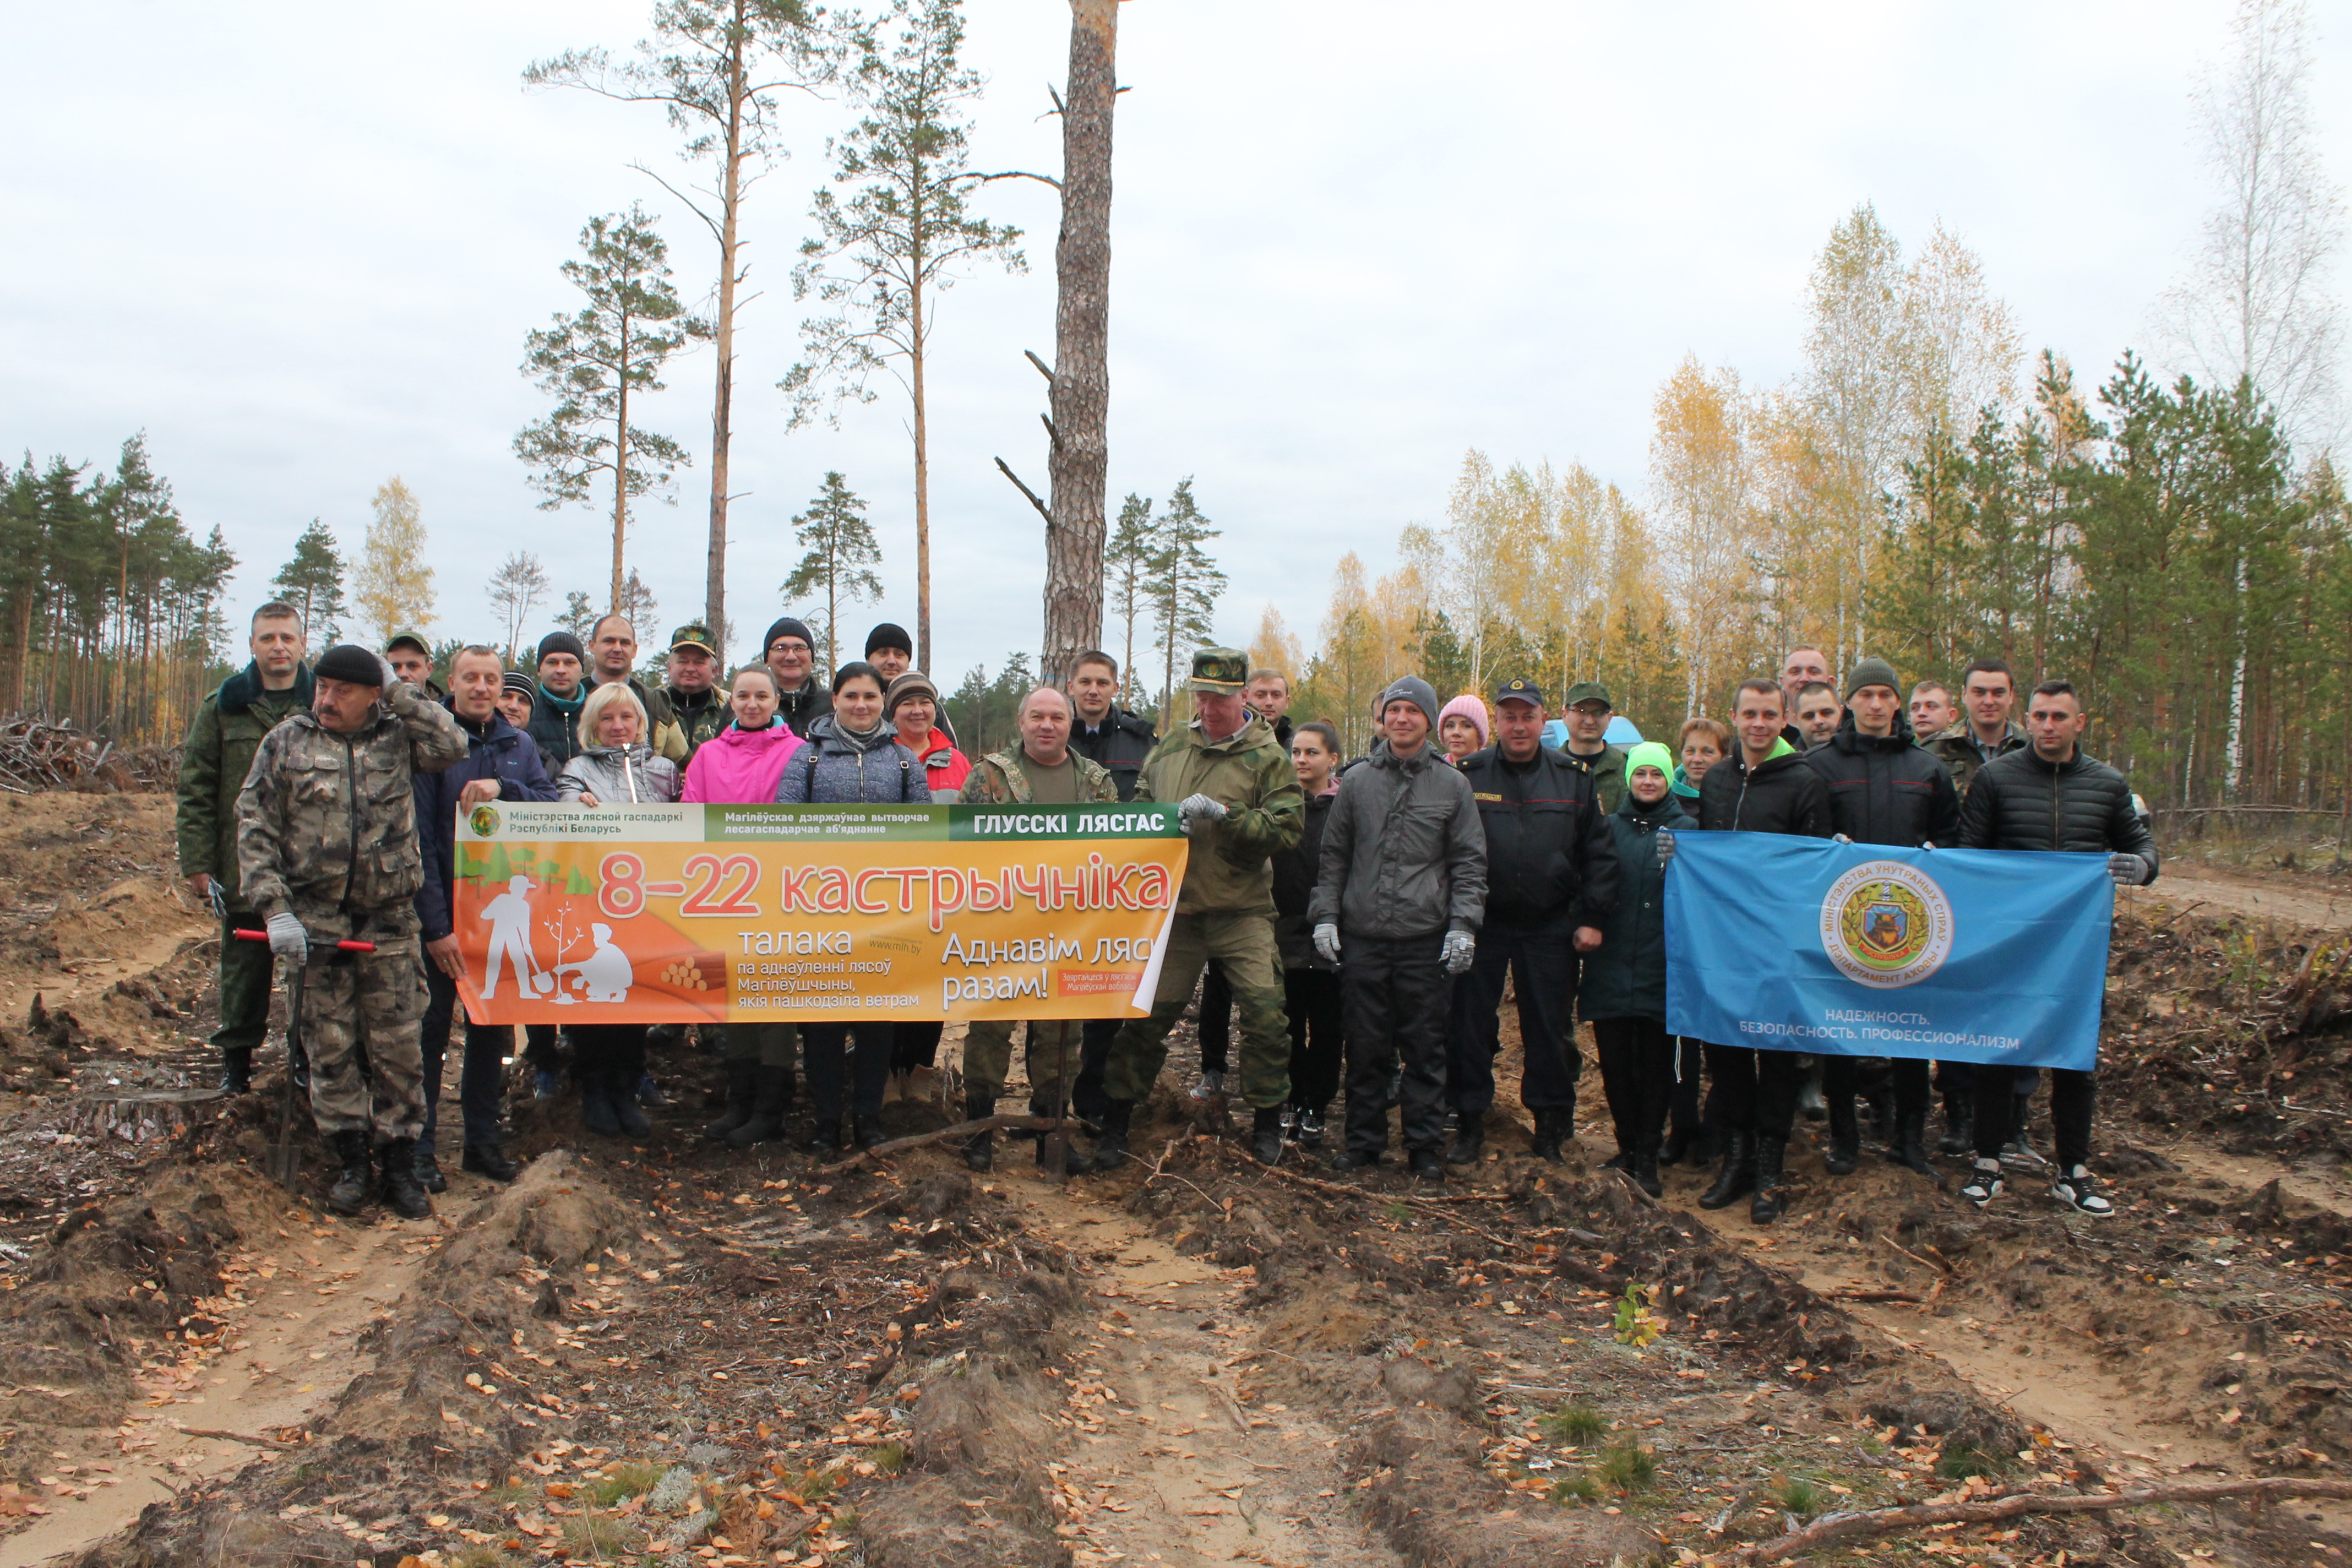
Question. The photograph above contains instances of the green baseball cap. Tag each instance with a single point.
(1221, 671)
(413, 639)
(1590, 691)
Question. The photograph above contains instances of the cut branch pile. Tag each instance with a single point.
(37, 756)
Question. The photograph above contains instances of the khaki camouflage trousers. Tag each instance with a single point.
(988, 1056)
(362, 1022)
(1243, 945)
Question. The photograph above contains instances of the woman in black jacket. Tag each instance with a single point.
(1623, 992)
(1310, 982)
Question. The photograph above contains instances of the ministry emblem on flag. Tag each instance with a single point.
(1886, 924)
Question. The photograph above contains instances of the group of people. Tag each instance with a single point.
(1359, 916)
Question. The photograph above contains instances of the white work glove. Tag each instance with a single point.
(1198, 808)
(1840, 838)
(1326, 942)
(288, 939)
(1926, 844)
(2129, 870)
(1461, 947)
(391, 679)
(1666, 846)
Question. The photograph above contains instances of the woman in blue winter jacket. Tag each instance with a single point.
(852, 757)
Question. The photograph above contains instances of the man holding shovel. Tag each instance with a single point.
(327, 851)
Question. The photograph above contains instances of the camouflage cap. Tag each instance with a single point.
(413, 639)
(694, 634)
(1222, 671)
(1590, 691)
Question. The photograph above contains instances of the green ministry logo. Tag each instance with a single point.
(1886, 924)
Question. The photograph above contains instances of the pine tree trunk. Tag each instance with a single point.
(621, 469)
(923, 482)
(730, 193)
(1081, 399)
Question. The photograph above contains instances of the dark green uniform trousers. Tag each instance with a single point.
(1243, 945)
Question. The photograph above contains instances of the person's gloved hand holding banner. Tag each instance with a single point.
(632, 914)
(1800, 944)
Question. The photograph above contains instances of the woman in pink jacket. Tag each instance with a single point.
(740, 766)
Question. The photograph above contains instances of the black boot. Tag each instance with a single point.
(772, 1093)
(350, 1192)
(1771, 1187)
(1845, 1138)
(1110, 1148)
(620, 1091)
(979, 1148)
(1265, 1135)
(1551, 1132)
(1910, 1145)
(1426, 1165)
(864, 1131)
(1959, 1126)
(1738, 1177)
(236, 1070)
(1680, 1142)
(741, 1091)
(825, 1138)
(1645, 1173)
(428, 1169)
(1470, 1142)
(403, 1193)
(490, 1160)
(596, 1110)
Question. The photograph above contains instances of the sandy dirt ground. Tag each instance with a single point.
(667, 1353)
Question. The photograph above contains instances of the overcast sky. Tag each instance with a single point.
(300, 247)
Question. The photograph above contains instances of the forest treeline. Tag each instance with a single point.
(111, 610)
(2157, 542)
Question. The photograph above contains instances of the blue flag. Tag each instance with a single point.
(1864, 950)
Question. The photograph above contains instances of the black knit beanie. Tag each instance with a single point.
(786, 627)
(351, 663)
(559, 642)
(889, 633)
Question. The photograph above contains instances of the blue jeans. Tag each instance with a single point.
(481, 1081)
(1544, 963)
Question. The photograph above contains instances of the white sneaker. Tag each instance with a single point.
(1211, 1085)
(1984, 1183)
(2079, 1190)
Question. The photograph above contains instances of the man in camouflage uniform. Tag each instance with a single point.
(221, 738)
(328, 851)
(1041, 769)
(1240, 803)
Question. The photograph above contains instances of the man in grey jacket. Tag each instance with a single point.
(1397, 905)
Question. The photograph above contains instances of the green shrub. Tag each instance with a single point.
(1628, 1466)
(1800, 1496)
(1576, 1424)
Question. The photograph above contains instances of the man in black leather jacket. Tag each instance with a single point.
(1884, 789)
(2050, 796)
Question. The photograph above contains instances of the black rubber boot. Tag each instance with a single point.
(1680, 1142)
(1910, 1146)
(1845, 1138)
(403, 1193)
(1771, 1187)
(350, 1192)
(1356, 1159)
(236, 1071)
(1427, 1164)
(490, 1160)
(621, 1090)
(741, 1091)
(1265, 1135)
(1738, 1177)
(1645, 1173)
(771, 1094)
(1470, 1141)
(866, 1131)
(825, 1138)
(979, 1148)
(428, 1169)
(1551, 1133)
(1959, 1126)
(596, 1110)
(1110, 1148)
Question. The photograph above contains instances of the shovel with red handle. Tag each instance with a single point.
(284, 1162)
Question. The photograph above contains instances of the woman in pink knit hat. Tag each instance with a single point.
(1463, 727)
